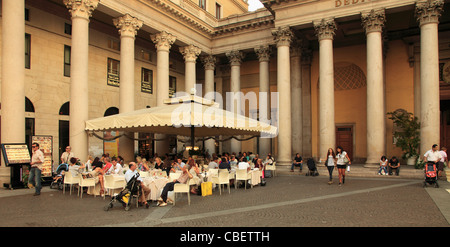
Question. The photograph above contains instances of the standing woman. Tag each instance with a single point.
(330, 163)
(342, 160)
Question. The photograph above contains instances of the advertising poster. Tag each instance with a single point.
(111, 147)
(46, 146)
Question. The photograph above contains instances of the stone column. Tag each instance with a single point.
(13, 77)
(235, 58)
(296, 98)
(263, 53)
(128, 27)
(373, 22)
(327, 134)
(81, 11)
(428, 13)
(163, 42)
(190, 54)
(209, 63)
(283, 37)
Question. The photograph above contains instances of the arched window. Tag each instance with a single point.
(65, 109)
(111, 111)
(29, 107)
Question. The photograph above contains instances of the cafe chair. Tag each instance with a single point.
(85, 182)
(221, 179)
(242, 175)
(272, 168)
(112, 184)
(181, 188)
(70, 180)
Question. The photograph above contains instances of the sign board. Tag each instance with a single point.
(16, 154)
(46, 146)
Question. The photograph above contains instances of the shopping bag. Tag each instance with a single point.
(206, 188)
(348, 168)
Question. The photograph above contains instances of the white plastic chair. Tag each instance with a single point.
(71, 180)
(85, 182)
(112, 184)
(242, 174)
(272, 168)
(214, 172)
(222, 178)
(181, 188)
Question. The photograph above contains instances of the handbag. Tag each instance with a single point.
(206, 188)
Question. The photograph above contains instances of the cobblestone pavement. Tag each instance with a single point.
(287, 201)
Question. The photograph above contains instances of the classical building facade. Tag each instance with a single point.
(338, 67)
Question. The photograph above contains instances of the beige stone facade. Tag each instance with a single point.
(336, 64)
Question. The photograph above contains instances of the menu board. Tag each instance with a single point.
(46, 146)
(16, 154)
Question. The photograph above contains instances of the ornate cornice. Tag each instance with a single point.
(429, 11)
(373, 21)
(263, 52)
(209, 62)
(245, 25)
(190, 53)
(235, 57)
(128, 25)
(163, 40)
(81, 8)
(325, 29)
(283, 36)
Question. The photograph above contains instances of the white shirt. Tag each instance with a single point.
(432, 155)
(243, 165)
(213, 165)
(444, 155)
(117, 169)
(340, 158)
(130, 174)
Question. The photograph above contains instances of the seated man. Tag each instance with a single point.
(297, 162)
(170, 186)
(244, 164)
(394, 164)
(145, 191)
(214, 164)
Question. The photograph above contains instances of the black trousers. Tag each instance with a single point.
(167, 188)
(330, 171)
(397, 170)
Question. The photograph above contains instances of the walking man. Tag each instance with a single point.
(37, 159)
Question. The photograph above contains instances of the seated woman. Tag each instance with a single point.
(97, 173)
(195, 171)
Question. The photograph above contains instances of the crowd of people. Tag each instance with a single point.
(98, 167)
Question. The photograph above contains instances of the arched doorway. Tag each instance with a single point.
(63, 134)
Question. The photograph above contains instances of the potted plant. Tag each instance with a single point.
(406, 134)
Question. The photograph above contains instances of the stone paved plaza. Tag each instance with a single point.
(286, 201)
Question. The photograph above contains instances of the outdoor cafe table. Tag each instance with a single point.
(96, 189)
(155, 184)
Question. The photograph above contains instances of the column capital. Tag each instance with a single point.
(163, 40)
(209, 62)
(190, 53)
(429, 11)
(81, 8)
(263, 53)
(325, 29)
(373, 20)
(283, 36)
(235, 57)
(128, 25)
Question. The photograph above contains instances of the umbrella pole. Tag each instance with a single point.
(192, 136)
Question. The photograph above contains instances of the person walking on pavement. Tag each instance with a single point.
(37, 159)
(330, 163)
(342, 161)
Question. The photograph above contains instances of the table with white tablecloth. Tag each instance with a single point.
(155, 184)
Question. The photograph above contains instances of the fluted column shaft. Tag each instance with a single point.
(428, 13)
(209, 63)
(283, 38)
(296, 98)
(327, 135)
(81, 11)
(373, 22)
